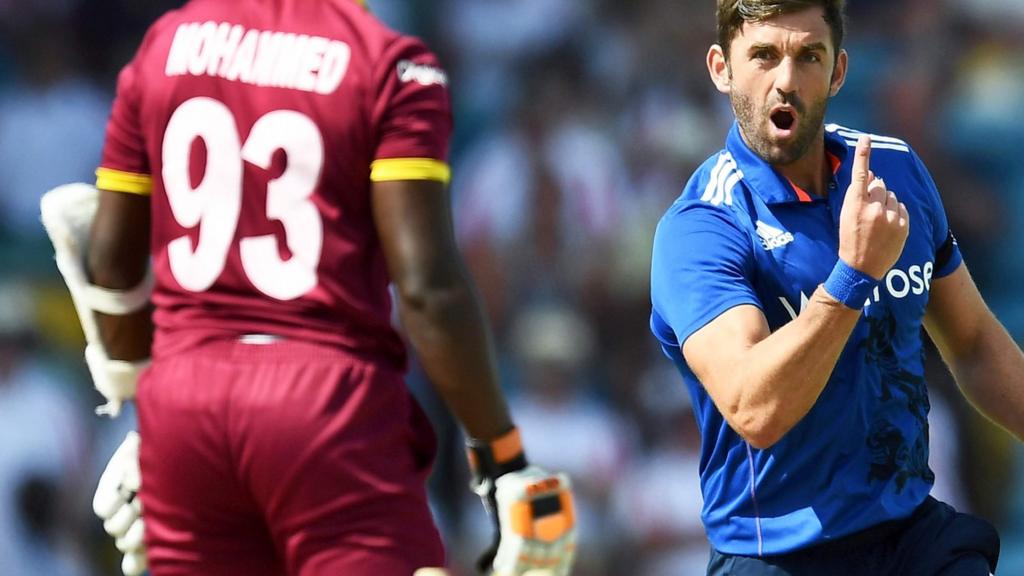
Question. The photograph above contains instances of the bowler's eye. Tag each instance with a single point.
(762, 54)
(811, 57)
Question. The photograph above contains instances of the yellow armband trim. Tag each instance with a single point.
(119, 181)
(387, 169)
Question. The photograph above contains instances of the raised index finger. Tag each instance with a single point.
(861, 161)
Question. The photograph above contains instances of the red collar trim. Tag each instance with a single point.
(834, 163)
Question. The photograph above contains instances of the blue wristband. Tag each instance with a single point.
(849, 286)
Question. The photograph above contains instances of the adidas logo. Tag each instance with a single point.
(771, 237)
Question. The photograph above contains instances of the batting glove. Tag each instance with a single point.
(532, 510)
(116, 502)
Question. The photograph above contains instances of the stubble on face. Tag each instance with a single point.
(755, 126)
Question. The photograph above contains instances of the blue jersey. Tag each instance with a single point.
(741, 233)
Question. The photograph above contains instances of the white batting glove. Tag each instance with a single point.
(532, 510)
(538, 525)
(116, 502)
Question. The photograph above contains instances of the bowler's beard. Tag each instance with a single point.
(754, 124)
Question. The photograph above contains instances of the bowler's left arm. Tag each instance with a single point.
(985, 361)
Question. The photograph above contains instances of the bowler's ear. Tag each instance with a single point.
(718, 67)
(839, 74)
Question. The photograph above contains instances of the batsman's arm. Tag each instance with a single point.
(445, 321)
(85, 230)
(438, 303)
(118, 258)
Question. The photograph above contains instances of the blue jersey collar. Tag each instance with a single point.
(764, 180)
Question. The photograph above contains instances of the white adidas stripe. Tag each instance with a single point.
(853, 133)
(874, 137)
(712, 187)
(728, 169)
(877, 141)
(882, 146)
(723, 179)
(728, 184)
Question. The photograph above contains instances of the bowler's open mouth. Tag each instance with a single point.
(783, 119)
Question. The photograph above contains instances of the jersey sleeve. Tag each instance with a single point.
(702, 266)
(125, 165)
(947, 252)
(413, 116)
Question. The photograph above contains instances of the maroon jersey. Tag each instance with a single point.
(258, 126)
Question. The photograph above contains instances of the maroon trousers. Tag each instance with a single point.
(283, 459)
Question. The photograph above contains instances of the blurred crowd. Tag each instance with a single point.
(577, 123)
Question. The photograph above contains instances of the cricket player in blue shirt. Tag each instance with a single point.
(790, 283)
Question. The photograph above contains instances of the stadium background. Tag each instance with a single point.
(577, 124)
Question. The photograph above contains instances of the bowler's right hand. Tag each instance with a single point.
(874, 224)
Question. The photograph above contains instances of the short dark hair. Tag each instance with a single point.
(733, 13)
